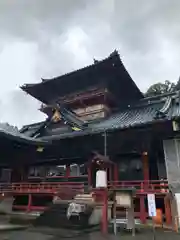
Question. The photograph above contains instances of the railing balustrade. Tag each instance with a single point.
(156, 186)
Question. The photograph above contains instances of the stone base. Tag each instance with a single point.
(96, 216)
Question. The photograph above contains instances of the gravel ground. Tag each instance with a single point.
(57, 234)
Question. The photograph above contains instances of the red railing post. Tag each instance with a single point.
(142, 187)
(142, 209)
(67, 170)
(29, 203)
(167, 211)
(105, 212)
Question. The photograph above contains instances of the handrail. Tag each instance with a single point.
(159, 186)
(40, 187)
(140, 186)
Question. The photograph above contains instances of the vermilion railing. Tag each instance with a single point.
(156, 186)
(41, 187)
(55, 187)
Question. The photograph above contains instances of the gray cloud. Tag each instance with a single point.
(23, 109)
(46, 38)
(28, 19)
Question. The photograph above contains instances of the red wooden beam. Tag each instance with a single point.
(145, 166)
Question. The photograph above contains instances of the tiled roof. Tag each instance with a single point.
(147, 112)
(108, 72)
(130, 117)
(29, 130)
(9, 132)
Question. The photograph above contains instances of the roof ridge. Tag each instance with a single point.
(161, 95)
(33, 124)
(95, 63)
(44, 80)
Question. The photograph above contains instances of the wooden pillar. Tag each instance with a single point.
(145, 166)
(168, 215)
(104, 226)
(29, 202)
(23, 174)
(110, 173)
(67, 170)
(146, 179)
(116, 177)
(142, 209)
(89, 170)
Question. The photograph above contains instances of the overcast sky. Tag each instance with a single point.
(45, 38)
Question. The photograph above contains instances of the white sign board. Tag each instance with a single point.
(151, 205)
(123, 199)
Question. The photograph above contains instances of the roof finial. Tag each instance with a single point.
(95, 61)
(114, 53)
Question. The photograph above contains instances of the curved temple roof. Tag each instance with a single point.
(12, 134)
(108, 72)
(143, 112)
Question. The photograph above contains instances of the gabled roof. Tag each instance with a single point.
(109, 72)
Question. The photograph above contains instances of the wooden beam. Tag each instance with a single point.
(145, 166)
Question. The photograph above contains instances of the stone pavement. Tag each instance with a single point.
(145, 234)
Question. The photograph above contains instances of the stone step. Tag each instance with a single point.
(56, 216)
(84, 197)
